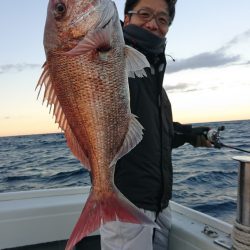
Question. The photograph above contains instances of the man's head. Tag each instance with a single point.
(153, 15)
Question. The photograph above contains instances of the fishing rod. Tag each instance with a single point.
(213, 135)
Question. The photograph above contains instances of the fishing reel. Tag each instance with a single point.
(213, 135)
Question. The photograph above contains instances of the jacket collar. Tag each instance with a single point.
(152, 46)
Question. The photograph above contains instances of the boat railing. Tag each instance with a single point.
(241, 229)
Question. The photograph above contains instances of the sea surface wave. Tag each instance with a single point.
(204, 178)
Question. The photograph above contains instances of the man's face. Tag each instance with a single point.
(151, 15)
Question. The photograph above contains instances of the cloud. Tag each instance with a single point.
(18, 67)
(187, 87)
(203, 60)
(238, 39)
(216, 58)
(182, 87)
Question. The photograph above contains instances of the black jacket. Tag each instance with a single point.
(145, 174)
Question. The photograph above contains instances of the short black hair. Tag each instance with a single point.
(130, 4)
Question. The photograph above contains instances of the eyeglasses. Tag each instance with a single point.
(146, 15)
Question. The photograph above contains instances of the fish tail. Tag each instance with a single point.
(113, 207)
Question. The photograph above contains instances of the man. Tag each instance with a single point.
(144, 175)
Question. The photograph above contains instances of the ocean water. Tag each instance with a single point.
(204, 178)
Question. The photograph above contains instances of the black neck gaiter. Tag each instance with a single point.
(146, 42)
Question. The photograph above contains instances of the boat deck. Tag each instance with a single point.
(91, 242)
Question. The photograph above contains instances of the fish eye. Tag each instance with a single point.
(60, 10)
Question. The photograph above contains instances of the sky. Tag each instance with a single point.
(209, 80)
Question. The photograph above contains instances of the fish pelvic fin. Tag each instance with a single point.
(132, 138)
(111, 207)
(135, 62)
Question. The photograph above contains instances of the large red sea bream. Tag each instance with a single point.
(86, 82)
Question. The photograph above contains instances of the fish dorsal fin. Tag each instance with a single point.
(135, 62)
(50, 96)
(132, 138)
(99, 39)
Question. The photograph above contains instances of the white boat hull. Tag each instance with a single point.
(40, 216)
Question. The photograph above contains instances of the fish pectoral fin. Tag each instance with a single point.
(99, 40)
(132, 138)
(135, 62)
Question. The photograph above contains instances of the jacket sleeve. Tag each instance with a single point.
(186, 133)
(182, 134)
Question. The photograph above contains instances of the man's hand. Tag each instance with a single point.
(201, 139)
